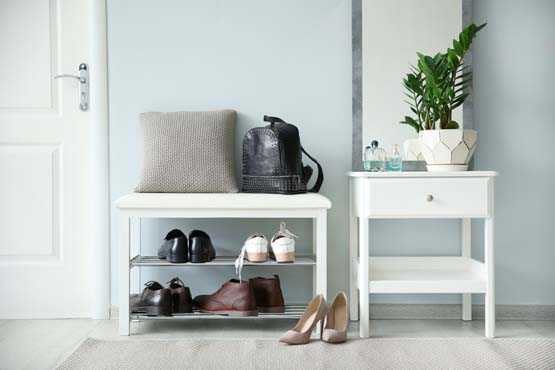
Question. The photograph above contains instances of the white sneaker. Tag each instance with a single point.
(255, 249)
(283, 245)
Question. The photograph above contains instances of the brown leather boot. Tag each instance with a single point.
(233, 298)
(268, 295)
(182, 302)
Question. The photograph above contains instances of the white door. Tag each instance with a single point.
(43, 160)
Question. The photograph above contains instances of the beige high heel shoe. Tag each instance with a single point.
(314, 313)
(336, 321)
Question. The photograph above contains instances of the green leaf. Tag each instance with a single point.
(452, 58)
(466, 82)
(412, 123)
(437, 84)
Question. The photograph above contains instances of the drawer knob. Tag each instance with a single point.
(429, 197)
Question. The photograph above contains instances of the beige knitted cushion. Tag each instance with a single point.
(188, 152)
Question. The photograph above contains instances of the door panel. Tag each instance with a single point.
(39, 191)
(43, 160)
(27, 45)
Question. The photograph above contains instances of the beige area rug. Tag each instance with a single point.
(379, 353)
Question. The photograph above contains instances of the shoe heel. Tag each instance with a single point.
(257, 257)
(285, 257)
(184, 308)
(158, 311)
(321, 328)
(199, 258)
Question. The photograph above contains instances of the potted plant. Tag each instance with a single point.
(435, 87)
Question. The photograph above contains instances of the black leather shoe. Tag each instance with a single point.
(179, 250)
(168, 242)
(200, 247)
(154, 301)
(181, 296)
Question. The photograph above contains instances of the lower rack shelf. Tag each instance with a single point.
(291, 312)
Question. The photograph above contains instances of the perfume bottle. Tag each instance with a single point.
(395, 162)
(374, 157)
(366, 157)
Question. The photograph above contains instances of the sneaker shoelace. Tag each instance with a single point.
(240, 261)
(283, 232)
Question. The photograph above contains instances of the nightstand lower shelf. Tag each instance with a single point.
(415, 275)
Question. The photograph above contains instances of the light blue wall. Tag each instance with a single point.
(293, 58)
(290, 58)
(514, 64)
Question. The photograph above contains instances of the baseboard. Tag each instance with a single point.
(454, 311)
(114, 312)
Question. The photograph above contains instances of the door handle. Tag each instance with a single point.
(83, 78)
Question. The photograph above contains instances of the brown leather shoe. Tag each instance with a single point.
(155, 300)
(182, 302)
(233, 298)
(268, 295)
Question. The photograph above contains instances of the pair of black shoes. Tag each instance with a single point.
(157, 300)
(176, 248)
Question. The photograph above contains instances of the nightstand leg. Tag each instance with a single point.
(353, 263)
(363, 278)
(466, 249)
(490, 272)
(124, 275)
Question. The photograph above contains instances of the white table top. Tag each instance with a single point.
(422, 174)
(222, 201)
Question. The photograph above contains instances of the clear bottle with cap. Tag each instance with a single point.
(374, 157)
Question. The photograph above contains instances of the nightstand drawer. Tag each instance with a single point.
(422, 197)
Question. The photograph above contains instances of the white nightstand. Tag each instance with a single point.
(413, 195)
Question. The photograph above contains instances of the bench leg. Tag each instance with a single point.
(124, 275)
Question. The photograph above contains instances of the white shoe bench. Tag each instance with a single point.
(231, 205)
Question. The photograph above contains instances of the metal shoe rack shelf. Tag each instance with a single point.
(235, 205)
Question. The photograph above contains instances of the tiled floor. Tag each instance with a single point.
(42, 344)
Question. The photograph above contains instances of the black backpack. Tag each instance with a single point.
(272, 160)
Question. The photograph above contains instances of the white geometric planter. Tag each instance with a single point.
(412, 150)
(447, 150)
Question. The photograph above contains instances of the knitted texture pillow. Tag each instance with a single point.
(188, 152)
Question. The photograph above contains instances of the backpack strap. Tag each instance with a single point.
(273, 120)
(320, 178)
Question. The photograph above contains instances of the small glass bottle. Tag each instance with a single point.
(374, 157)
(366, 157)
(395, 161)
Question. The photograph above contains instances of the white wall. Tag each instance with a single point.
(287, 58)
(392, 32)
